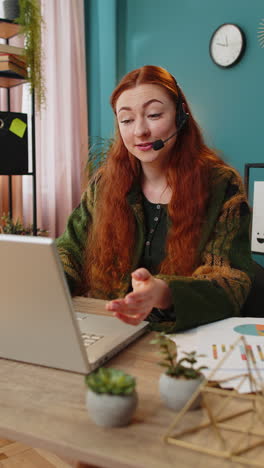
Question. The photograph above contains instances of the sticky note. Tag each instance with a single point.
(18, 127)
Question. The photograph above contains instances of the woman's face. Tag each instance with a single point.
(145, 114)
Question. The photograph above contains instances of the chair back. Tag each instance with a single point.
(254, 305)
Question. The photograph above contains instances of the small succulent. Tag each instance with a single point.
(110, 381)
(175, 367)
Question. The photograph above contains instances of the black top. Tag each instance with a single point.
(156, 234)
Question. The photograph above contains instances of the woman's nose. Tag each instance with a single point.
(141, 128)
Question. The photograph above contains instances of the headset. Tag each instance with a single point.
(181, 119)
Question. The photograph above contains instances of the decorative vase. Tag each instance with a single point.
(11, 9)
(176, 392)
(111, 410)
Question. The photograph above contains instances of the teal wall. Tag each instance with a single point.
(227, 103)
(101, 52)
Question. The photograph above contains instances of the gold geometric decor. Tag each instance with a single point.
(231, 423)
(261, 33)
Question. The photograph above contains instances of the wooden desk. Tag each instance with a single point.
(45, 408)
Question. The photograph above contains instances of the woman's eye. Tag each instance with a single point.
(126, 121)
(154, 116)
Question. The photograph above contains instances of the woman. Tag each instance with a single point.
(162, 230)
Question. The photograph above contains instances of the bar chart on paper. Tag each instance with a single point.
(255, 351)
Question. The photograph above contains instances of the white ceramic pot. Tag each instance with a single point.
(176, 392)
(111, 410)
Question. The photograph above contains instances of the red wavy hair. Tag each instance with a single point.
(110, 246)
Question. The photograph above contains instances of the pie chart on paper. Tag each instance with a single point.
(250, 329)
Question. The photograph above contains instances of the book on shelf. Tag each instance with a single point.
(10, 49)
(9, 68)
(16, 59)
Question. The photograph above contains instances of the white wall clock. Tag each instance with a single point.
(227, 45)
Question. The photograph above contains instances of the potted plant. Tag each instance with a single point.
(9, 226)
(11, 9)
(97, 152)
(181, 378)
(31, 23)
(111, 397)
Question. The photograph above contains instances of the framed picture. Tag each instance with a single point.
(255, 191)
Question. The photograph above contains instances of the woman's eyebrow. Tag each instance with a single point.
(144, 105)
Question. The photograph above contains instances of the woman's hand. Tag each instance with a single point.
(148, 292)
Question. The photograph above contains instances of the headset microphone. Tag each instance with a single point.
(158, 144)
(181, 118)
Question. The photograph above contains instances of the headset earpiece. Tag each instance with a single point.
(181, 114)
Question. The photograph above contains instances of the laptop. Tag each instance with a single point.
(38, 323)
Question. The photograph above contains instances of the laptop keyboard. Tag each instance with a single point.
(90, 339)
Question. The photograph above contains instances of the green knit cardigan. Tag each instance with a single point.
(217, 289)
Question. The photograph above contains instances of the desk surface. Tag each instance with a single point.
(46, 408)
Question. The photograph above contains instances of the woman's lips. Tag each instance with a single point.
(144, 146)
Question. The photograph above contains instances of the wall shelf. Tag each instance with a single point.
(9, 80)
(8, 28)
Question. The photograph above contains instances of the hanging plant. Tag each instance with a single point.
(31, 22)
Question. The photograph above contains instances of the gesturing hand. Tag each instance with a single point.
(148, 292)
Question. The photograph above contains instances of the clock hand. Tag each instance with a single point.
(219, 43)
(226, 41)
